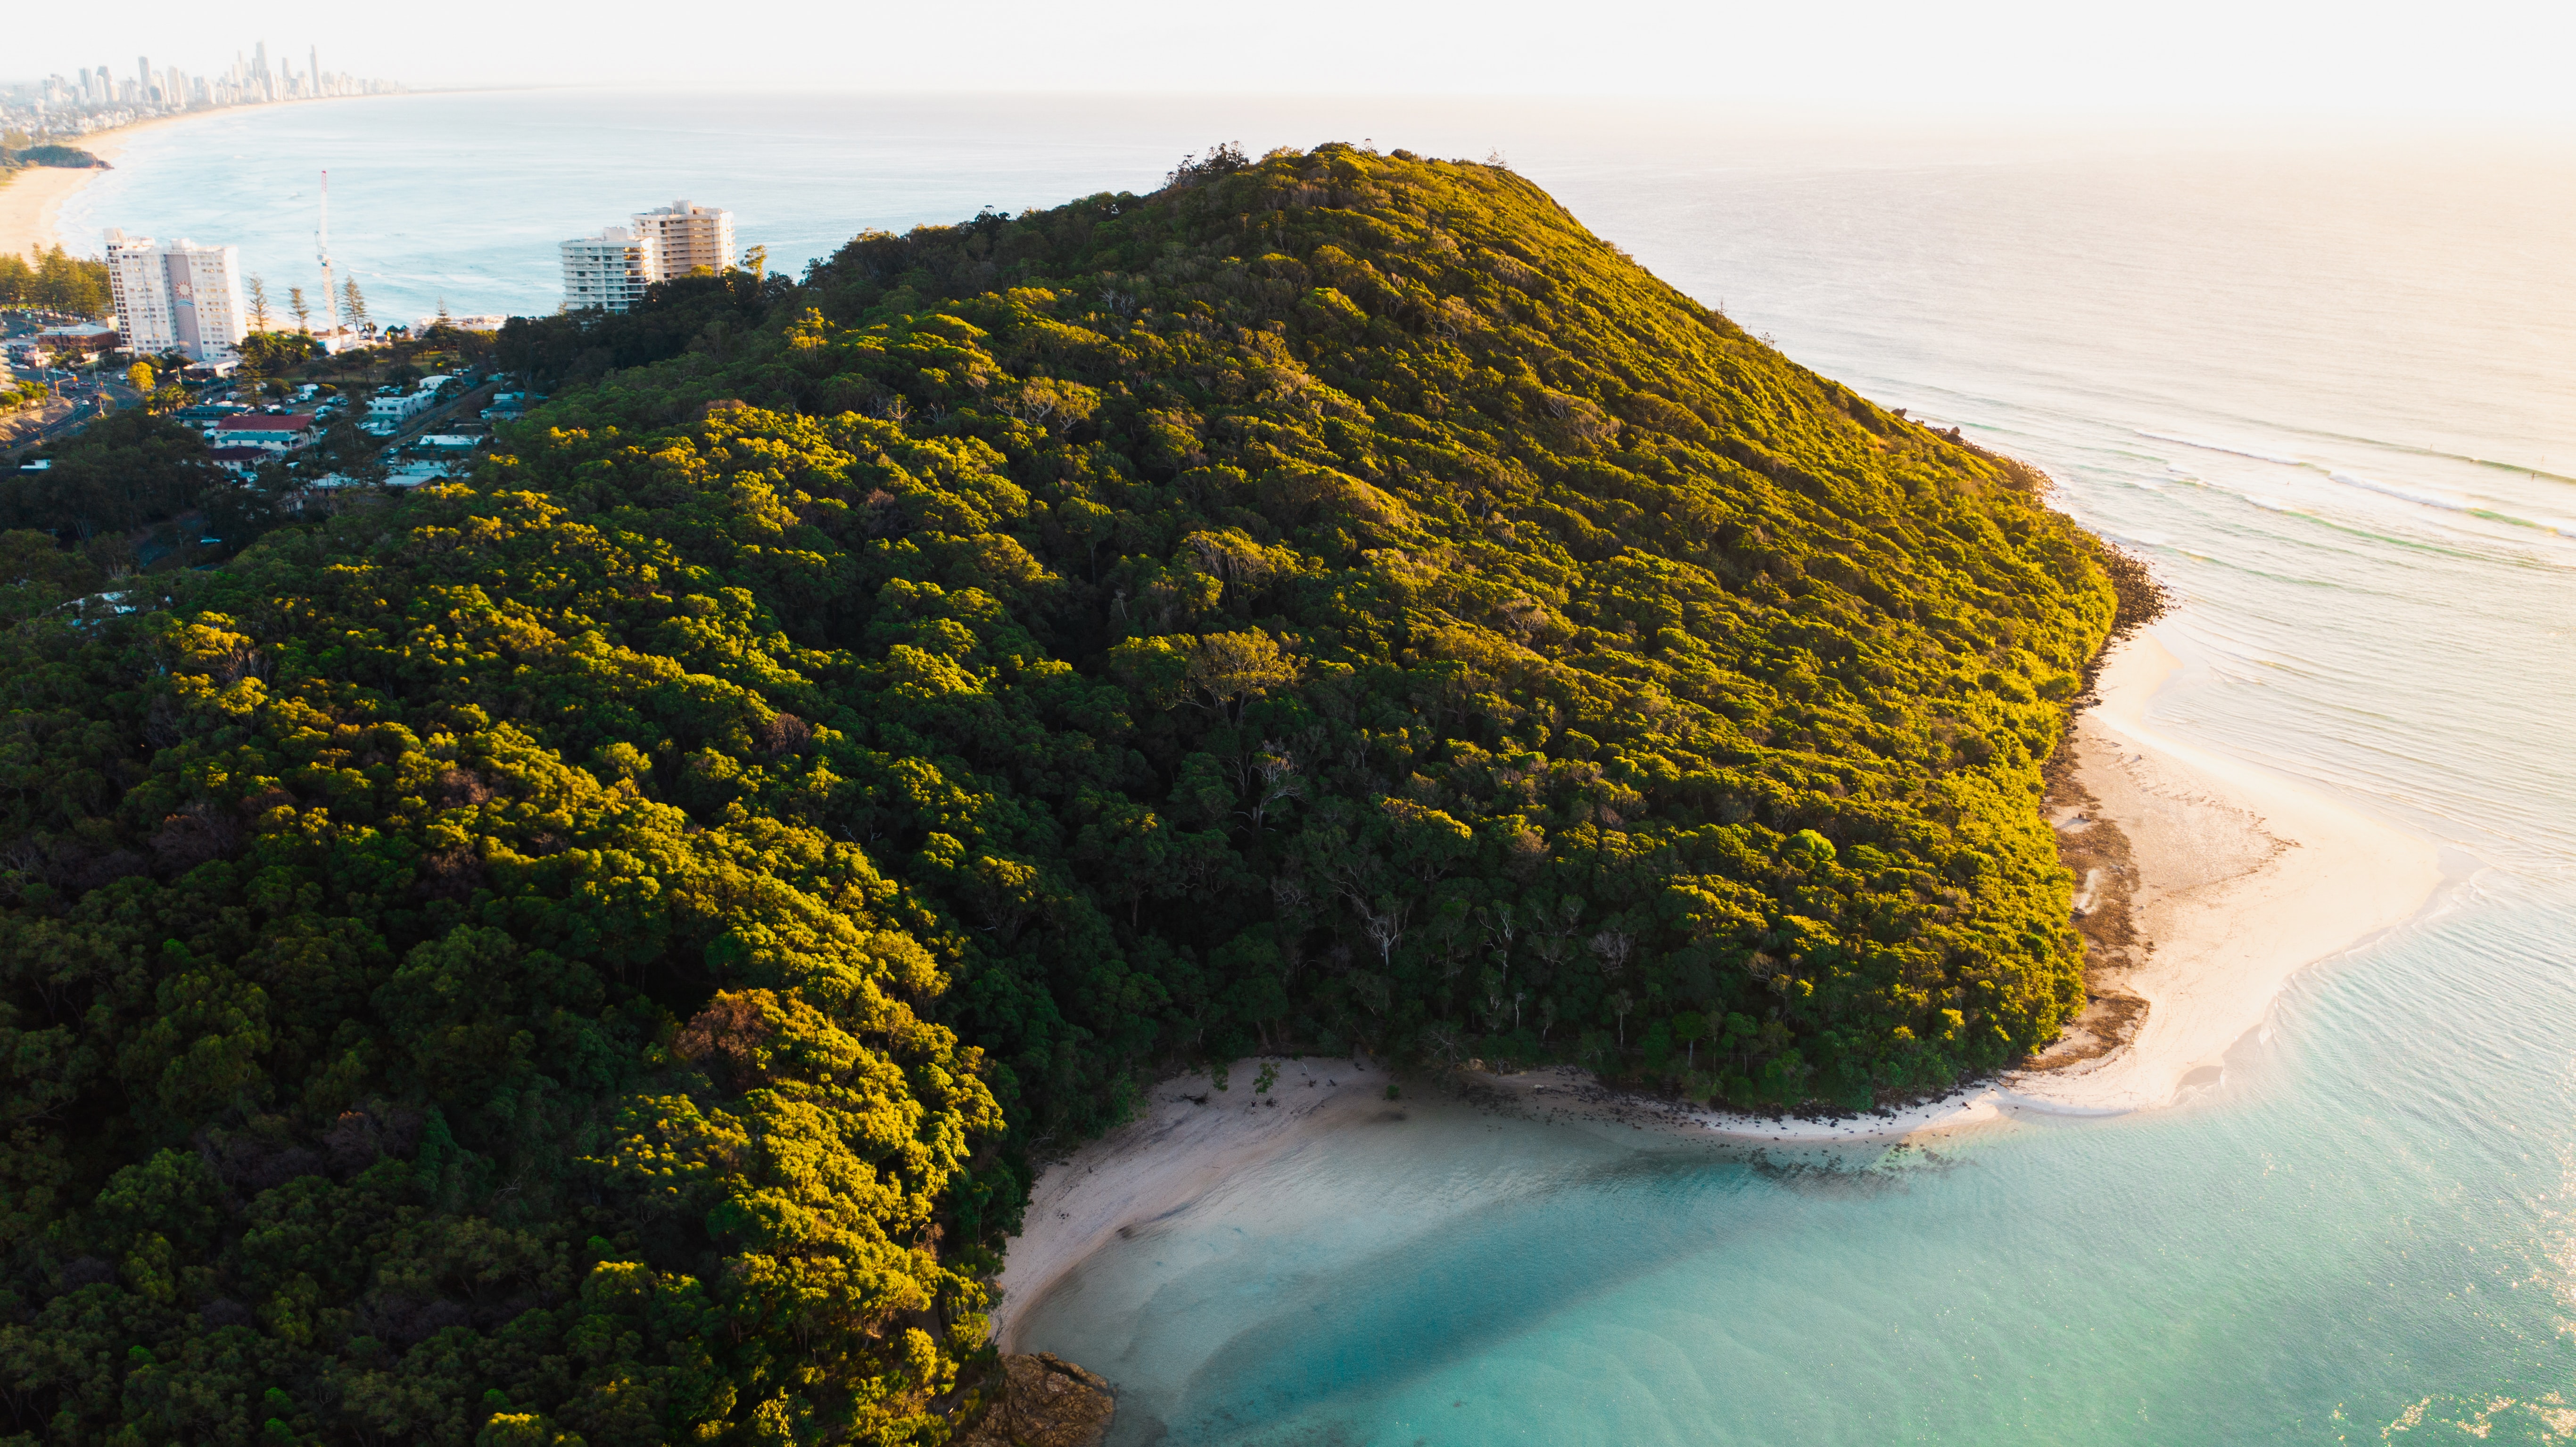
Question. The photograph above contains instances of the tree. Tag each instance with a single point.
(125, 470)
(258, 290)
(295, 303)
(139, 377)
(57, 281)
(356, 303)
(1688, 1028)
(272, 355)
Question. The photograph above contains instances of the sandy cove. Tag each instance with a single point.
(1189, 1139)
(2239, 879)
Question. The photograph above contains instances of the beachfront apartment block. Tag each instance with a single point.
(177, 296)
(609, 271)
(687, 237)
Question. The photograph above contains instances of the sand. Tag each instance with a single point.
(2236, 879)
(1190, 1138)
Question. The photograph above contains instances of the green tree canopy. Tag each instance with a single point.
(579, 952)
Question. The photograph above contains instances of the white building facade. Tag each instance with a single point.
(177, 296)
(687, 237)
(609, 271)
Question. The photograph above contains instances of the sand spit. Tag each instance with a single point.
(2242, 879)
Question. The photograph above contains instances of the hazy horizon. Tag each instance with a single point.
(2489, 59)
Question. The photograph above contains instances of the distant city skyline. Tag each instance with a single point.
(105, 95)
(2492, 58)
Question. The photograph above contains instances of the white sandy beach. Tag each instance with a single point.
(2244, 879)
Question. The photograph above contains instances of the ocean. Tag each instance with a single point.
(2325, 381)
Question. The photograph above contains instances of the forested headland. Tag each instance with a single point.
(585, 953)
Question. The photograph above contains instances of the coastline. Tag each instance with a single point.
(2238, 879)
(2243, 879)
(31, 203)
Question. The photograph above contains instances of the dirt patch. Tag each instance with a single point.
(2097, 853)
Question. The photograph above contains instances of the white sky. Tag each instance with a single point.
(2469, 58)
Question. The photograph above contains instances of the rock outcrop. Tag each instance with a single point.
(1045, 1401)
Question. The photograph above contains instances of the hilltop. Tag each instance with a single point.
(587, 951)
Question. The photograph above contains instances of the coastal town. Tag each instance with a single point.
(307, 397)
(266, 369)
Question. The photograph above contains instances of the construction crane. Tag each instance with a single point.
(322, 251)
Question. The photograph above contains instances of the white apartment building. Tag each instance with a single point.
(177, 296)
(687, 237)
(609, 271)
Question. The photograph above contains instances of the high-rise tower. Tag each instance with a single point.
(687, 237)
(608, 271)
(176, 296)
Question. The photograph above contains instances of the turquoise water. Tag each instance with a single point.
(2328, 385)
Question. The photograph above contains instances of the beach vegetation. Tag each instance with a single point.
(587, 951)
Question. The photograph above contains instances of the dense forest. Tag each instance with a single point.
(583, 955)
